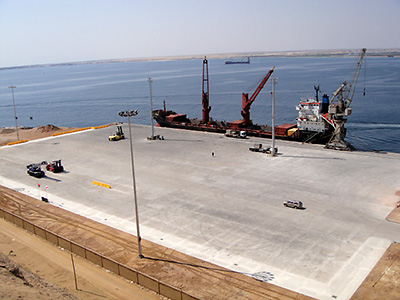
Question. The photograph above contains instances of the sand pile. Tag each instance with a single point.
(47, 128)
(6, 130)
(8, 135)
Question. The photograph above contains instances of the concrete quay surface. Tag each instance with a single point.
(227, 208)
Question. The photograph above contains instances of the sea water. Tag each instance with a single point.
(81, 95)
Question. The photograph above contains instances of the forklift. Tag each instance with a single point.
(55, 166)
(119, 135)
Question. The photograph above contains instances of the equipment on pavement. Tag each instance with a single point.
(35, 170)
(55, 166)
(119, 135)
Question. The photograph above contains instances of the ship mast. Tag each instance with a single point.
(205, 93)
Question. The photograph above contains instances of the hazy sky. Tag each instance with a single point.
(53, 31)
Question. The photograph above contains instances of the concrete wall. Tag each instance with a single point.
(96, 258)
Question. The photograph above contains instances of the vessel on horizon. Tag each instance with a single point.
(231, 61)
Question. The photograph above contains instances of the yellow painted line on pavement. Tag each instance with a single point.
(101, 184)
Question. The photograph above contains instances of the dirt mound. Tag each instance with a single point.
(6, 130)
(47, 128)
(18, 283)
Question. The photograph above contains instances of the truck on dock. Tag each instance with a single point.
(260, 148)
(236, 134)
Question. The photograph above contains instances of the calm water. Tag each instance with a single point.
(93, 94)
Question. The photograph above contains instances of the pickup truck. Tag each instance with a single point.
(236, 134)
(293, 204)
(259, 148)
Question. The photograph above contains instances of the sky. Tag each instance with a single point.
(57, 31)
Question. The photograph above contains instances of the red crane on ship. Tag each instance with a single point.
(205, 93)
(247, 102)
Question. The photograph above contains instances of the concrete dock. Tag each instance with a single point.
(227, 208)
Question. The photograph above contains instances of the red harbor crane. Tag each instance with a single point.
(205, 93)
(247, 102)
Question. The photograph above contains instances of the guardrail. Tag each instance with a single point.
(101, 126)
(79, 129)
(71, 131)
(124, 271)
(17, 142)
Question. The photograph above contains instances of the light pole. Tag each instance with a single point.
(151, 111)
(15, 113)
(273, 81)
(129, 114)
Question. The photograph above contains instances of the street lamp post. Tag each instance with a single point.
(15, 113)
(274, 81)
(129, 114)
(151, 111)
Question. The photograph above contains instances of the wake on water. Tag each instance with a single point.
(374, 136)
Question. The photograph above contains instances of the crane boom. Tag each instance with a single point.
(246, 101)
(339, 109)
(338, 90)
(352, 87)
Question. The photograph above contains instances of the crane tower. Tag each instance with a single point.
(339, 109)
(205, 93)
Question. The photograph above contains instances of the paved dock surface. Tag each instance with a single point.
(227, 208)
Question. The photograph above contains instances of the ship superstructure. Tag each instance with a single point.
(329, 116)
(313, 114)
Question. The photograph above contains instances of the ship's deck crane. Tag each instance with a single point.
(339, 109)
(246, 101)
(205, 93)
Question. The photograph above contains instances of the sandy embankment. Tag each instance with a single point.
(9, 134)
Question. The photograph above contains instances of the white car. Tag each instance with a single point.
(293, 204)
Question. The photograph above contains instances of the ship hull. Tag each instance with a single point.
(281, 132)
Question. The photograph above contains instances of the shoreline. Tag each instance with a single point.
(384, 52)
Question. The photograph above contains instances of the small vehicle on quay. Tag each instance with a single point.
(54, 166)
(119, 135)
(293, 204)
(35, 170)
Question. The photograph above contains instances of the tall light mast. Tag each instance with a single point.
(274, 81)
(151, 109)
(15, 113)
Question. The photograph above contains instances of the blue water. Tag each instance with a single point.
(93, 94)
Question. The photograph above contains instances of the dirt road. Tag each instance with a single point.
(55, 266)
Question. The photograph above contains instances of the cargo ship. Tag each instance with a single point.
(231, 62)
(287, 131)
(318, 122)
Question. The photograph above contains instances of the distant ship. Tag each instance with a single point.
(231, 62)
